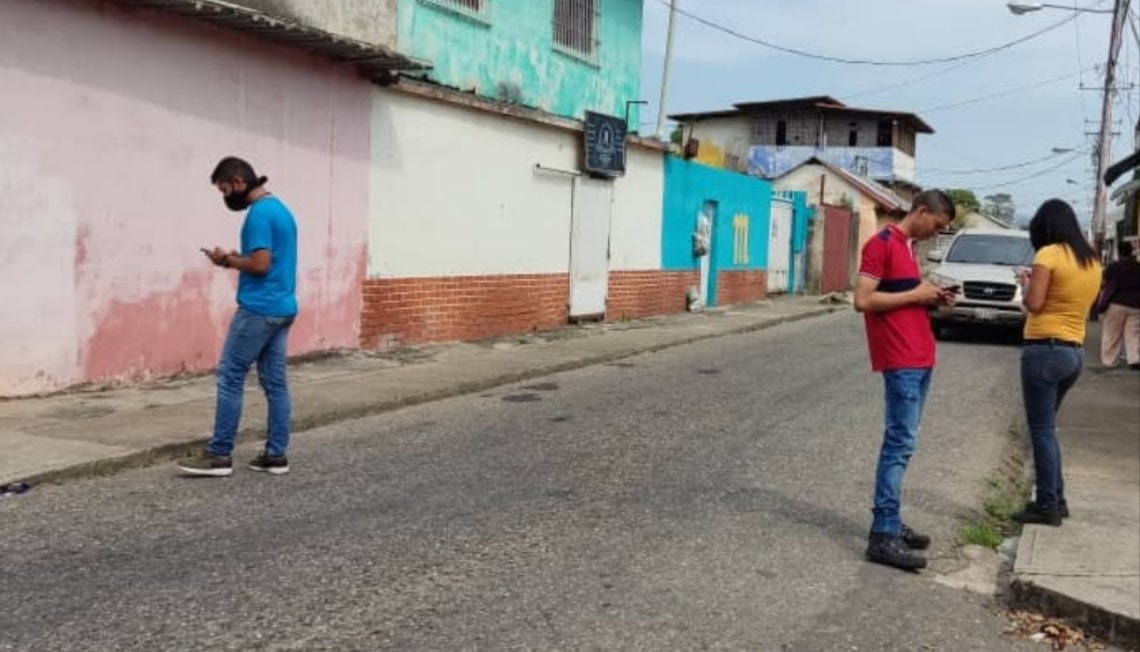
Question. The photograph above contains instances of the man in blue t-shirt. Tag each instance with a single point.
(267, 305)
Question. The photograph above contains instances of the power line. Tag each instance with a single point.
(1080, 62)
(1030, 177)
(870, 62)
(908, 82)
(1003, 168)
(994, 96)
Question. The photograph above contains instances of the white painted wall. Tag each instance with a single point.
(454, 191)
(904, 166)
(635, 228)
(805, 178)
(371, 21)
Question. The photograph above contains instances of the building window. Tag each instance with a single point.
(575, 27)
(781, 133)
(477, 9)
(853, 136)
(886, 133)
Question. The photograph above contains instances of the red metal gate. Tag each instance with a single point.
(836, 270)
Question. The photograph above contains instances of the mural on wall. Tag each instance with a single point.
(740, 239)
(770, 161)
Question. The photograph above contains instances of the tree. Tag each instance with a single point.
(678, 136)
(1001, 206)
(964, 200)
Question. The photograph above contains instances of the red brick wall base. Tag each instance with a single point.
(406, 311)
(743, 286)
(635, 295)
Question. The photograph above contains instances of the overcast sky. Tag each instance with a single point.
(712, 70)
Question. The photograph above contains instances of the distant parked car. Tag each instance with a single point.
(983, 263)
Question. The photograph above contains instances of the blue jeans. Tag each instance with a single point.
(906, 391)
(1048, 372)
(253, 338)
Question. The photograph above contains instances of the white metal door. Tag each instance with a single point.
(590, 246)
(780, 247)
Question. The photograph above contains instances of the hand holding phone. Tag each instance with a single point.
(216, 256)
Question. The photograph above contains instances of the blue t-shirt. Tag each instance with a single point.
(270, 225)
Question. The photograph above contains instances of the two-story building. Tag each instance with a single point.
(771, 138)
(478, 162)
(432, 151)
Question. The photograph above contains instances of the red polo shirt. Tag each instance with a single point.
(901, 338)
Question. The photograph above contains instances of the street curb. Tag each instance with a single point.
(167, 452)
(1117, 629)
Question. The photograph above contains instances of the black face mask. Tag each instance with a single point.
(237, 201)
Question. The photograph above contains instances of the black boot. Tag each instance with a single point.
(1035, 514)
(890, 550)
(1064, 508)
(914, 540)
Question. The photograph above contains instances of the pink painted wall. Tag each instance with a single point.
(110, 123)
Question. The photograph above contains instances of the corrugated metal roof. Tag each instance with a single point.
(374, 61)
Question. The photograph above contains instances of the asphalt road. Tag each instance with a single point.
(710, 497)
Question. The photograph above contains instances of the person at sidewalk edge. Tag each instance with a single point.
(1058, 292)
(1122, 318)
(259, 332)
(895, 303)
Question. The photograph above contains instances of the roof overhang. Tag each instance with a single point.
(376, 62)
(821, 103)
(1124, 193)
(882, 196)
(1120, 168)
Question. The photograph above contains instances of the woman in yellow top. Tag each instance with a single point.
(1058, 293)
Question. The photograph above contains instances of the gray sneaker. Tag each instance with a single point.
(206, 464)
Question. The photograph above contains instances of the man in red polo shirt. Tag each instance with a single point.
(894, 300)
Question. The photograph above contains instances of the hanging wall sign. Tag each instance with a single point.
(605, 145)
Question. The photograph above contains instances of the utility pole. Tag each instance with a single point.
(668, 65)
(1104, 139)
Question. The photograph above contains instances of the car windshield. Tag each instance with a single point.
(991, 250)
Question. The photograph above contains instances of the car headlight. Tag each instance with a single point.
(944, 281)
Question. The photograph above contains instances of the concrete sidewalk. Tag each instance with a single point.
(1088, 570)
(70, 435)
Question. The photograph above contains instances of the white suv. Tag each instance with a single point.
(983, 263)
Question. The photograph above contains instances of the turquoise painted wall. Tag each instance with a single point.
(688, 186)
(801, 218)
(514, 45)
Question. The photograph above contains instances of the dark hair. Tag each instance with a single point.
(1125, 249)
(232, 167)
(1056, 223)
(935, 201)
